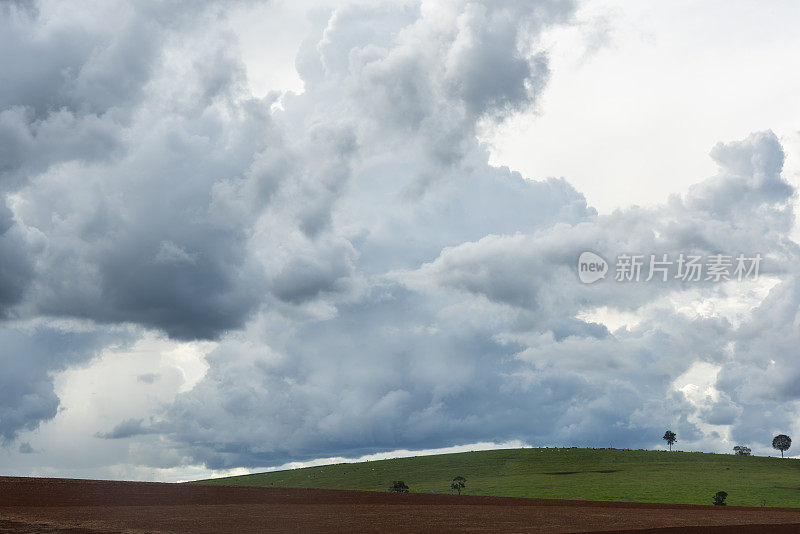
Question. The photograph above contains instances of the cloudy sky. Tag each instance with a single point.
(236, 236)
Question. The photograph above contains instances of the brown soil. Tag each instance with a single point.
(40, 505)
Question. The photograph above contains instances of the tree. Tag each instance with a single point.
(781, 442)
(670, 438)
(458, 484)
(741, 450)
(398, 486)
(719, 498)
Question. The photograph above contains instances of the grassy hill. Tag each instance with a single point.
(587, 474)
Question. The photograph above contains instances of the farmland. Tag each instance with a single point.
(564, 473)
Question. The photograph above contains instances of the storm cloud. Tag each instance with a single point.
(369, 280)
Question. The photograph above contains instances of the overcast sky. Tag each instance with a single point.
(237, 236)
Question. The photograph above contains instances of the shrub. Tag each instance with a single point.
(398, 486)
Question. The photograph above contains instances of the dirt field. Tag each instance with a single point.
(81, 506)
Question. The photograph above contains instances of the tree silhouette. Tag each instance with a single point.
(670, 438)
(458, 484)
(781, 442)
(719, 498)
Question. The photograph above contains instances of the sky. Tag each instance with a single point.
(248, 235)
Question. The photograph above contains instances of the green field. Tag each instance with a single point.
(587, 474)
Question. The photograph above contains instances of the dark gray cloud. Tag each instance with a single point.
(127, 429)
(147, 378)
(29, 355)
(372, 282)
(395, 373)
(115, 175)
(16, 269)
(107, 167)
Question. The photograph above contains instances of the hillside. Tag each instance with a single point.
(564, 473)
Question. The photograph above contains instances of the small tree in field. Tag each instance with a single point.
(741, 450)
(719, 498)
(458, 484)
(670, 438)
(781, 442)
(398, 486)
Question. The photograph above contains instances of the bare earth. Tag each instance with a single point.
(42, 505)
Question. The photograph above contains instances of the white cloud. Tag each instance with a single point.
(668, 82)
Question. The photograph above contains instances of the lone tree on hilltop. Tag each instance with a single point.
(670, 438)
(458, 484)
(741, 450)
(398, 486)
(781, 442)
